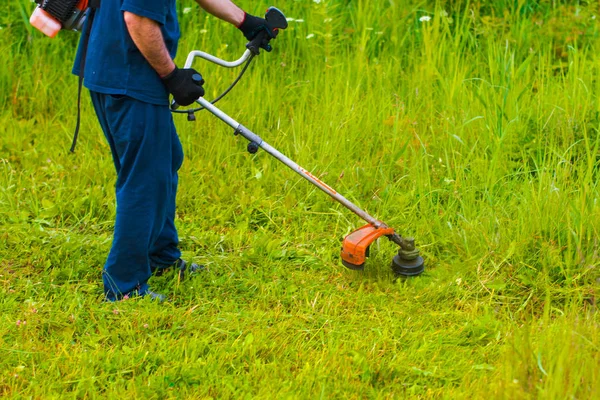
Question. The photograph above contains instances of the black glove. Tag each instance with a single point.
(251, 26)
(185, 85)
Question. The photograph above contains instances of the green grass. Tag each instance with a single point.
(476, 132)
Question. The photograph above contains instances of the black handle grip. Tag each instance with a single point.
(275, 18)
(275, 21)
(198, 80)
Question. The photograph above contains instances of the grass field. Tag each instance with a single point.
(472, 126)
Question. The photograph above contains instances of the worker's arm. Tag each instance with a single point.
(227, 11)
(148, 38)
(224, 9)
(184, 84)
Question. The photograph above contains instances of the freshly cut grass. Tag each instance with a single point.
(471, 126)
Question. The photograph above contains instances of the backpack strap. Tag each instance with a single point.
(92, 5)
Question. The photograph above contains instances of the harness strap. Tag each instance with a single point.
(93, 4)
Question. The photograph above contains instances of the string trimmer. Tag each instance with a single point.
(355, 248)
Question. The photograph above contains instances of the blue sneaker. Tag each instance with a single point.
(181, 266)
(161, 298)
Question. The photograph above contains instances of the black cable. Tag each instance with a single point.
(194, 110)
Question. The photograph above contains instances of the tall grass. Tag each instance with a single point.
(472, 126)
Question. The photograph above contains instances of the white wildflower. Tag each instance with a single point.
(310, 35)
(187, 10)
(425, 18)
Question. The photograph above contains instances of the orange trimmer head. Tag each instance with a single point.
(355, 250)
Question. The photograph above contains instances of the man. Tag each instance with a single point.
(130, 72)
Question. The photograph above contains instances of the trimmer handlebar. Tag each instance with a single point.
(275, 20)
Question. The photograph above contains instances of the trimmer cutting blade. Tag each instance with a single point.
(355, 250)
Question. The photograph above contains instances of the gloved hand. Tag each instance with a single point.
(252, 25)
(185, 85)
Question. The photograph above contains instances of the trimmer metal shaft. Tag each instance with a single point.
(254, 138)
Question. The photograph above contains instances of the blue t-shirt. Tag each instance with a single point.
(113, 64)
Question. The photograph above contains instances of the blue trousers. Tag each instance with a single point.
(147, 154)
